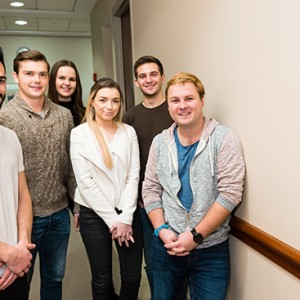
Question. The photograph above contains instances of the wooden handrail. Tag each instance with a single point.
(279, 252)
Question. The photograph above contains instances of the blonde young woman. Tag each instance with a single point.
(105, 158)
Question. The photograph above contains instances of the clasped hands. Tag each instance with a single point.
(177, 246)
(18, 263)
(122, 232)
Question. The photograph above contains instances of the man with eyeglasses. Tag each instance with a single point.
(15, 212)
(43, 129)
(2, 79)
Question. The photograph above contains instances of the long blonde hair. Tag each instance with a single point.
(90, 116)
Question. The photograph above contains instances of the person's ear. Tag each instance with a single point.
(136, 83)
(15, 76)
(202, 100)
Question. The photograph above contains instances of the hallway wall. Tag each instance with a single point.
(77, 49)
(247, 55)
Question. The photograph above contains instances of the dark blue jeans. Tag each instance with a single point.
(147, 244)
(207, 271)
(51, 234)
(18, 290)
(98, 243)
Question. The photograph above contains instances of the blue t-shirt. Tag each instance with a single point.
(185, 156)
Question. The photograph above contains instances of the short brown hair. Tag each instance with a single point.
(29, 55)
(147, 59)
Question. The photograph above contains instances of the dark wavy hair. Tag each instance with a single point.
(76, 96)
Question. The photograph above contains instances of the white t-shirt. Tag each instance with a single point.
(11, 163)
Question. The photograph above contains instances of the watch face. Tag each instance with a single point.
(197, 237)
(22, 49)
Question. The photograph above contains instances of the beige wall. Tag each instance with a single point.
(247, 55)
(77, 49)
(101, 18)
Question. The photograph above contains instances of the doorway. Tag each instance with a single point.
(123, 50)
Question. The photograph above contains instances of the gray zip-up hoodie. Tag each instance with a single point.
(216, 174)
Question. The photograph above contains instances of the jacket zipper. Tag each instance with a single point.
(188, 221)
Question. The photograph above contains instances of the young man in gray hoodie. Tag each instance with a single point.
(194, 179)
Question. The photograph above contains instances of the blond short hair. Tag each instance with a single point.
(183, 77)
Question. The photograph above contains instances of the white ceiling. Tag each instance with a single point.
(47, 17)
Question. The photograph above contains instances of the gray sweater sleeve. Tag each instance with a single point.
(152, 190)
(231, 171)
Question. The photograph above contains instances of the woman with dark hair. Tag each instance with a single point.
(65, 88)
(105, 159)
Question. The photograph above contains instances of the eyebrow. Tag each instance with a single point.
(61, 75)
(3, 77)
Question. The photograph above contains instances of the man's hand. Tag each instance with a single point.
(167, 236)
(7, 279)
(76, 222)
(182, 246)
(19, 258)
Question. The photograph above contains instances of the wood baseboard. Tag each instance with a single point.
(279, 252)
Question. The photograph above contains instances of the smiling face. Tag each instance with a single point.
(2, 84)
(185, 105)
(32, 79)
(65, 83)
(149, 80)
(107, 104)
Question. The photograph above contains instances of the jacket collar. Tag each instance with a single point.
(25, 106)
(92, 152)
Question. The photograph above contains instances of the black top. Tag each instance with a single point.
(147, 122)
(70, 106)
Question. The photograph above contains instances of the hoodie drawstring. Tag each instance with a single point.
(211, 157)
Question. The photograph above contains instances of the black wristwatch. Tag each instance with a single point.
(197, 237)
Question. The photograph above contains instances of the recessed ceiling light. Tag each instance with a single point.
(21, 22)
(17, 4)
